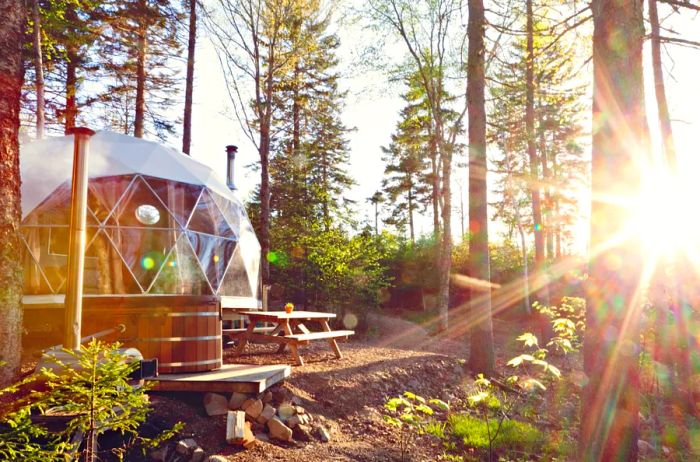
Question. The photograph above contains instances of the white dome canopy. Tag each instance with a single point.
(47, 163)
(159, 222)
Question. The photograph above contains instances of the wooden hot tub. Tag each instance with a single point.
(183, 332)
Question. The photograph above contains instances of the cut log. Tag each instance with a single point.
(235, 427)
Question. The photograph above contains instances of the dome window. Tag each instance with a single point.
(147, 214)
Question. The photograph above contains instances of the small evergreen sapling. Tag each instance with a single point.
(95, 391)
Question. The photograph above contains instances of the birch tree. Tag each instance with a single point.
(427, 30)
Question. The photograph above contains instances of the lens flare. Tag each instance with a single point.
(148, 263)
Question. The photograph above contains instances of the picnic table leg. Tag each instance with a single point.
(292, 346)
(331, 341)
(279, 329)
(244, 339)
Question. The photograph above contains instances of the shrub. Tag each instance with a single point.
(94, 390)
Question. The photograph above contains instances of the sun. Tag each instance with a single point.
(667, 219)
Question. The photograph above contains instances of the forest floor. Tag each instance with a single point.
(348, 395)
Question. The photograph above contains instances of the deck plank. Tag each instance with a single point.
(243, 378)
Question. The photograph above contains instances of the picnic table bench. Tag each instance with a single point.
(289, 329)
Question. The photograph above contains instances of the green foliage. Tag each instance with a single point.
(328, 269)
(411, 411)
(568, 323)
(513, 435)
(20, 439)
(92, 386)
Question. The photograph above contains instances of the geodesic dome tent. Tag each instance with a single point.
(158, 223)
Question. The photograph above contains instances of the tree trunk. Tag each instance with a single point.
(189, 79)
(445, 241)
(610, 421)
(435, 185)
(547, 177)
(39, 71)
(265, 200)
(660, 89)
(540, 274)
(71, 112)
(139, 116)
(410, 213)
(531, 147)
(11, 76)
(481, 354)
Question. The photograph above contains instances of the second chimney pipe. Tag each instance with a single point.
(231, 151)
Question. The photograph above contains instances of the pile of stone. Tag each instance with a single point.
(273, 415)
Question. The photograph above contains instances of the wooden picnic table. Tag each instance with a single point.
(290, 329)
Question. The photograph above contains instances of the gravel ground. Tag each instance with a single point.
(346, 395)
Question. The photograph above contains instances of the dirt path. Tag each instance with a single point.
(345, 395)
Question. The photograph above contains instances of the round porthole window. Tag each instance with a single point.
(147, 214)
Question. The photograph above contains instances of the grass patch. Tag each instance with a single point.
(514, 435)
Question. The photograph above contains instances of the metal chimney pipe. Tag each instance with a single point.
(231, 151)
(76, 240)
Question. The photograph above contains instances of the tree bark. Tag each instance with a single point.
(410, 213)
(531, 147)
(11, 77)
(547, 177)
(610, 420)
(39, 71)
(189, 79)
(660, 89)
(71, 112)
(481, 354)
(141, 44)
(435, 194)
(445, 242)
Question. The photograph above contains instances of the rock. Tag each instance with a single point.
(253, 408)
(302, 433)
(278, 430)
(237, 400)
(262, 436)
(323, 434)
(198, 455)
(217, 459)
(186, 446)
(293, 421)
(249, 438)
(285, 411)
(267, 397)
(160, 454)
(215, 404)
(267, 413)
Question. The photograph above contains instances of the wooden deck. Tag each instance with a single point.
(243, 378)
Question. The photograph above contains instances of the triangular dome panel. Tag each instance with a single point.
(179, 198)
(104, 194)
(143, 250)
(236, 281)
(214, 255)
(207, 218)
(105, 271)
(181, 273)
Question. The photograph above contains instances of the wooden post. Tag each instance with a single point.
(76, 241)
